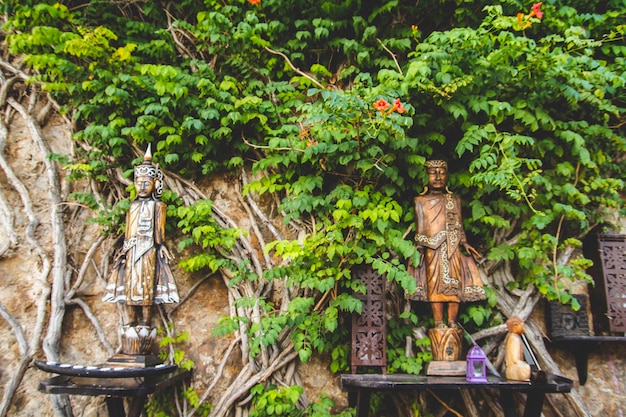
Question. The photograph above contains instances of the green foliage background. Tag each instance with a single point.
(530, 121)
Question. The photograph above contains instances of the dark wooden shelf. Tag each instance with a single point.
(581, 347)
(361, 386)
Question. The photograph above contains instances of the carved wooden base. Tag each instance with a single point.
(446, 368)
(122, 360)
(137, 340)
(446, 343)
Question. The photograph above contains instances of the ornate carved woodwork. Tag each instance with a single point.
(446, 343)
(607, 297)
(563, 321)
(613, 256)
(369, 329)
(607, 301)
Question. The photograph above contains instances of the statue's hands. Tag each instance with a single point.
(165, 253)
(472, 251)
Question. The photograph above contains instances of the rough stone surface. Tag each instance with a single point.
(604, 392)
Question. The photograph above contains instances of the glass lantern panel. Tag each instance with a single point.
(478, 368)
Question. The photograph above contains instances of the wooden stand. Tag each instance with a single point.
(133, 361)
(115, 384)
(446, 368)
(360, 388)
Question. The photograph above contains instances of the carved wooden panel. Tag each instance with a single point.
(369, 329)
(613, 256)
(563, 321)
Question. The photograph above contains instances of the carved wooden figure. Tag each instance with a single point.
(445, 276)
(515, 366)
(142, 276)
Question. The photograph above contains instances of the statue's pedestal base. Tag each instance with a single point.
(446, 343)
(446, 347)
(123, 360)
(446, 368)
(138, 340)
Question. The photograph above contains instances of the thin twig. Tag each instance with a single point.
(470, 407)
(191, 292)
(269, 147)
(258, 212)
(392, 55)
(446, 406)
(218, 373)
(94, 321)
(83, 268)
(293, 67)
(25, 358)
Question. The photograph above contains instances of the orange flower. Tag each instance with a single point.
(381, 105)
(254, 2)
(397, 105)
(522, 23)
(535, 10)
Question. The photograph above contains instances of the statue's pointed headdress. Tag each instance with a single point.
(148, 169)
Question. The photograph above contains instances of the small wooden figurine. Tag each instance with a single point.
(515, 366)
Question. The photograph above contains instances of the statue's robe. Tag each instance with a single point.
(142, 277)
(445, 274)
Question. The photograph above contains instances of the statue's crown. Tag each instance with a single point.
(436, 163)
(147, 168)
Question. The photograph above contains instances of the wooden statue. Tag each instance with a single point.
(515, 366)
(142, 276)
(445, 276)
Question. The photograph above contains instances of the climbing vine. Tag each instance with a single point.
(325, 113)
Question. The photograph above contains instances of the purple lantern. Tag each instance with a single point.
(476, 365)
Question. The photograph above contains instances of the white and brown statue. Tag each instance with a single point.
(142, 276)
(445, 276)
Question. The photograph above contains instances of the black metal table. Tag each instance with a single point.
(360, 387)
(114, 384)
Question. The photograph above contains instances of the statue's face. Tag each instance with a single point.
(516, 327)
(144, 186)
(437, 178)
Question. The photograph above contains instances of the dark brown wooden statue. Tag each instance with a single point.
(445, 276)
(142, 276)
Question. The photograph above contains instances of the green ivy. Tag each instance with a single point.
(336, 106)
